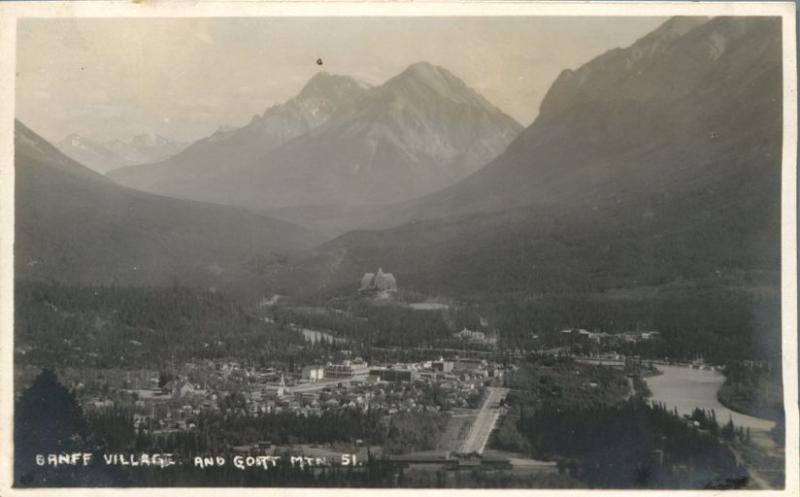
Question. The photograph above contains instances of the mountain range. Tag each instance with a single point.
(106, 156)
(340, 142)
(76, 226)
(650, 165)
(652, 168)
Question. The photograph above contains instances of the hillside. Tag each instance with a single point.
(76, 226)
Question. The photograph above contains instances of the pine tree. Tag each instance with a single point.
(47, 419)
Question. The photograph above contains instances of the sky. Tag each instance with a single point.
(183, 78)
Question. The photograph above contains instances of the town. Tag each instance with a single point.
(164, 403)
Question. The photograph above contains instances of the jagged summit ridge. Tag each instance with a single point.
(680, 51)
(422, 78)
(325, 84)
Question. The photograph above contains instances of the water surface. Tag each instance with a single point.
(687, 388)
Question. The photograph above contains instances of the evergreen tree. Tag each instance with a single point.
(47, 420)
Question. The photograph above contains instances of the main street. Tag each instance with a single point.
(483, 425)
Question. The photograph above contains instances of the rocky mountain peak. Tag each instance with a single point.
(674, 28)
(682, 50)
(326, 85)
(422, 80)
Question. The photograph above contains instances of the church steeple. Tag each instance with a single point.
(282, 387)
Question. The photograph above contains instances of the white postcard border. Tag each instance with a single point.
(10, 12)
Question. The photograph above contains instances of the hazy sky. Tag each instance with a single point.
(183, 78)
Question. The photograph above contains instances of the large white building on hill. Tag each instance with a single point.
(380, 281)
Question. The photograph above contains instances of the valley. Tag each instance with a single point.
(403, 274)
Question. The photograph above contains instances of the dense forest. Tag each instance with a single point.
(218, 434)
(606, 438)
(630, 445)
(101, 327)
(755, 389)
(562, 382)
(715, 321)
(381, 325)
(722, 320)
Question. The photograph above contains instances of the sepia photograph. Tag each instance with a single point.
(447, 246)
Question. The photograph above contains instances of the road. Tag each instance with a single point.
(756, 480)
(484, 423)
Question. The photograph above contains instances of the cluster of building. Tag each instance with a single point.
(477, 337)
(345, 369)
(222, 387)
(603, 337)
(457, 370)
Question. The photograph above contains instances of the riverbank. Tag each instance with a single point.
(760, 399)
(770, 413)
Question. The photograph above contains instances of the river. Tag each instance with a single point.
(687, 388)
(428, 306)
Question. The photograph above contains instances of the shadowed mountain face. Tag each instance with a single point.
(419, 132)
(648, 165)
(76, 226)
